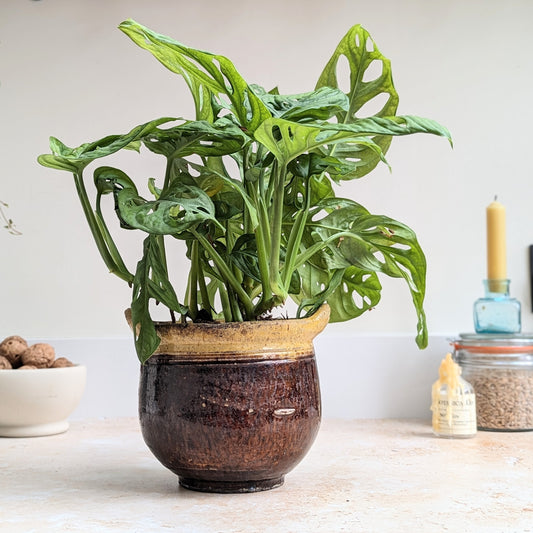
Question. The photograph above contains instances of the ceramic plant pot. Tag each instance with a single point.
(232, 407)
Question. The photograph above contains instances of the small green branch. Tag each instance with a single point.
(9, 224)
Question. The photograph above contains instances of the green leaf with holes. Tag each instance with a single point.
(208, 75)
(348, 238)
(370, 85)
(76, 159)
(287, 140)
(150, 283)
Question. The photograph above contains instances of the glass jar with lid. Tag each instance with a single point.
(500, 368)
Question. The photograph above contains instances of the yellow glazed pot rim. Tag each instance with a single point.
(255, 340)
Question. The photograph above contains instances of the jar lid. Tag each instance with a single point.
(494, 349)
(495, 342)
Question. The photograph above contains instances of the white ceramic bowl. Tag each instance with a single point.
(38, 402)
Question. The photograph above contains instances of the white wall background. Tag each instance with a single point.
(65, 70)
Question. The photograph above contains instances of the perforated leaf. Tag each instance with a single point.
(206, 74)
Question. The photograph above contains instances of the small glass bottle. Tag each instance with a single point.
(497, 312)
(453, 403)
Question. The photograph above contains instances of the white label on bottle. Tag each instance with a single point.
(457, 416)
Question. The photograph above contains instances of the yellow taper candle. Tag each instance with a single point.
(496, 245)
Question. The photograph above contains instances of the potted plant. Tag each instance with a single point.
(250, 187)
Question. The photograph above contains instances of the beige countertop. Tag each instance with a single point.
(360, 476)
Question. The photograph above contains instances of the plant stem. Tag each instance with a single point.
(162, 252)
(295, 238)
(168, 171)
(230, 243)
(96, 231)
(234, 305)
(306, 255)
(275, 232)
(193, 282)
(109, 242)
(204, 294)
(262, 240)
(224, 300)
(9, 225)
(226, 273)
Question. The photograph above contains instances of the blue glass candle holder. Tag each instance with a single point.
(497, 312)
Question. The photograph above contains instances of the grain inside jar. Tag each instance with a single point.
(500, 368)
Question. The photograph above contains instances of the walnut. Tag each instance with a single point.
(61, 362)
(41, 355)
(12, 348)
(5, 364)
(27, 367)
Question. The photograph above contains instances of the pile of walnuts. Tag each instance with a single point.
(15, 353)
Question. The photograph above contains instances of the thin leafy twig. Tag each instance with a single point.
(9, 224)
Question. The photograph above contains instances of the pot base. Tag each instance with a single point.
(231, 487)
(34, 430)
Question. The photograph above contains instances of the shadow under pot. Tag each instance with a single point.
(232, 407)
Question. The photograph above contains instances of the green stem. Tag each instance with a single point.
(306, 255)
(110, 244)
(162, 252)
(230, 243)
(275, 232)
(96, 231)
(234, 305)
(224, 300)
(263, 219)
(204, 294)
(262, 239)
(295, 238)
(168, 172)
(261, 200)
(193, 282)
(272, 183)
(233, 301)
(226, 273)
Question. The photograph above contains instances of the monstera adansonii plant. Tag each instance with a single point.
(250, 185)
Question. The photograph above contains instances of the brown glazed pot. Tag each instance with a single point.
(232, 407)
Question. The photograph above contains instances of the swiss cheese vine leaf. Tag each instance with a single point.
(150, 282)
(287, 140)
(371, 87)
(349, 238)
(321, 104)
(76, 159)
(206, 74)
(222, 137)
(348, 291)
(178, 209)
